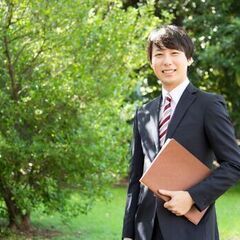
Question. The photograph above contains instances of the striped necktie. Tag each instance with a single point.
(165, 119)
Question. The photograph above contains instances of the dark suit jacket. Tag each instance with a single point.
(202, 125)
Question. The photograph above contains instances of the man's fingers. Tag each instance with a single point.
(168, 205)
(174, 211)
(178, 214)
(166, 192)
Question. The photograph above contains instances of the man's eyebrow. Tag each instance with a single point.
(162, 49)
(159, 49)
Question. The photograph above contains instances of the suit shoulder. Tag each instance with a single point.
(209, 97)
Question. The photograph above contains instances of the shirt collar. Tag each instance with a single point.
(177, 92)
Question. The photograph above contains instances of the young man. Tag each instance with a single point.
(197, 120)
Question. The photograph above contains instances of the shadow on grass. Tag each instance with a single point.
(36, 232)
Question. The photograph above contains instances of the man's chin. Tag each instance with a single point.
(167, 81)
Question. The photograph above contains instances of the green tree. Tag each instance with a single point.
(217, 57)
(66, 68)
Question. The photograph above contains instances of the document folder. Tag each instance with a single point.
(175, 169)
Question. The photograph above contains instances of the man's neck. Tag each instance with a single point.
(170, 87)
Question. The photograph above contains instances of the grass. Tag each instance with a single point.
(103, 222)
(228, 213)
(105, 219)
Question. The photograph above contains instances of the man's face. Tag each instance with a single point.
(170, 66)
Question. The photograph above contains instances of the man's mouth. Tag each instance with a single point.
(168, 71)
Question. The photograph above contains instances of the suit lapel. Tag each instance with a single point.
(155, 113)
(184, 103)
(149, 117)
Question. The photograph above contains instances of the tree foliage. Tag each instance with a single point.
(66, 67)
(216, 38)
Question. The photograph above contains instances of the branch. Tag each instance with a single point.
(10, 66)
(18, 8)
(9, 13)
(18, 54)
(31, 64)
(20, 36)
(23, 12)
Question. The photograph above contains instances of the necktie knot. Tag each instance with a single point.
(167, 102)
(168, 98)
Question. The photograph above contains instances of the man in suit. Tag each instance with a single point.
(197, 120)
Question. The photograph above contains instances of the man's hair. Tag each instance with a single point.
(172, 37)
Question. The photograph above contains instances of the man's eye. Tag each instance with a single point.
(158, 54)
(175, 53)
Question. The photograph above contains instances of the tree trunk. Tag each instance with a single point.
(25, 224)
(17, 220)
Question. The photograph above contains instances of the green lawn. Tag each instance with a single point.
(228, 212)
(104, 222)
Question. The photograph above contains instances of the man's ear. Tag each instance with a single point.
(190, 61)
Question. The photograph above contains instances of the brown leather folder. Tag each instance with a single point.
(175, 168)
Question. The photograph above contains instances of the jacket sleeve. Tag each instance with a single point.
(135, 173)
(220, 134)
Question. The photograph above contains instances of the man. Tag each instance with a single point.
(198, 121)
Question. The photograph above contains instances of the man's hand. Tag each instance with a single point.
(180, 202)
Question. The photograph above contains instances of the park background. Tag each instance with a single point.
(72, 73)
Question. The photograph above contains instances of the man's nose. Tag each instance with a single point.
(167, 60)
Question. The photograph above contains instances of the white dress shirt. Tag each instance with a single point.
(175, 94)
